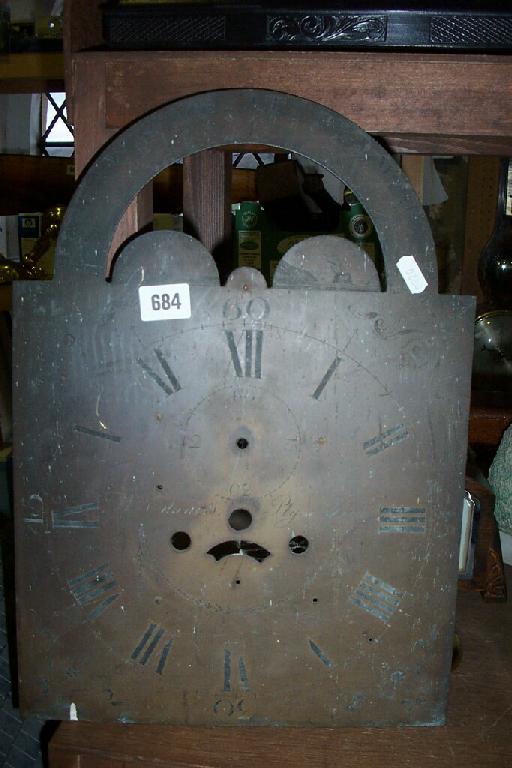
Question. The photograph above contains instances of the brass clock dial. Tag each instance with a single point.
(239, 504)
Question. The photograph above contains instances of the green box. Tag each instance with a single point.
(259, 244)
(29, 231)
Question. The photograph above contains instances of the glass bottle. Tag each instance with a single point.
(495, 263)
(358, 227)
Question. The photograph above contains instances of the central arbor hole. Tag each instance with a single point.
(240, 519)
(242, 443)
(180, 540)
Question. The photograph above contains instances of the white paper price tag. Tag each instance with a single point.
(412, 274)
(164, 302)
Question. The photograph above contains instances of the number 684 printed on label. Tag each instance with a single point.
(164, 302)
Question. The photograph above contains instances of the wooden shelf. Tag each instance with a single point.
(31, 72)
(35, 183)
(426, 103)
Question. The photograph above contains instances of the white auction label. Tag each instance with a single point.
(164, 302)
(412, 274)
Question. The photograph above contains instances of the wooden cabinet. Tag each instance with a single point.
(414, 102)
(31, 72)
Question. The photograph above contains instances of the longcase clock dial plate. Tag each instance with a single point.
(245, 516)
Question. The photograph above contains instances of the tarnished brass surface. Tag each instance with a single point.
(248, 515)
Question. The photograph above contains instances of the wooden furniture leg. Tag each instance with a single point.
(207, 203)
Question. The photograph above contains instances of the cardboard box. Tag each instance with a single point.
(29, 231)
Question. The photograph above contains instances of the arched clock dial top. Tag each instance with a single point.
(239, 504)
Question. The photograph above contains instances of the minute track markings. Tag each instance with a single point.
(270, 327)
(341, 354)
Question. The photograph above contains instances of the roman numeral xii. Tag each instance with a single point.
(246, 362)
